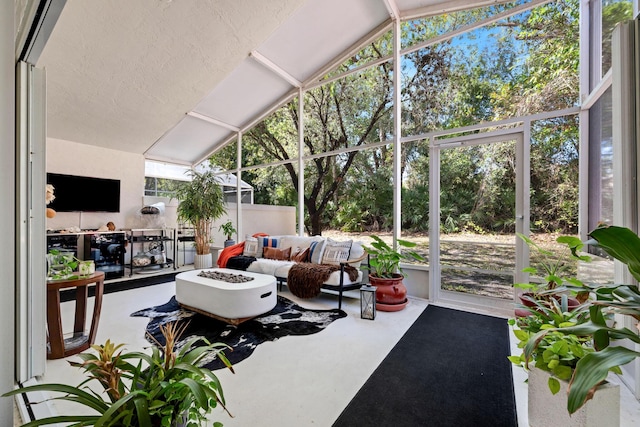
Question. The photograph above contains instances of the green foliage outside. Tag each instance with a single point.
(518, 66)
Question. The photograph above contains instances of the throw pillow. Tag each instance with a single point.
(279, 254)
(336, 252)
(301, 256)
(266, 242)
(315, 251)
(250, 246)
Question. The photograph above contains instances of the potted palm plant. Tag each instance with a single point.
(164, 388)
(386, 274)
(201, 203)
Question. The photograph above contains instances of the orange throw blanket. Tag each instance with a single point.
(228, 252)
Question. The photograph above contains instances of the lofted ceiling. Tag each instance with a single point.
(174, 79)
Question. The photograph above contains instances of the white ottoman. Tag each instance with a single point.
(230, 302)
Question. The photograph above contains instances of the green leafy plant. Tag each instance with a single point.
(65, 266)
(385, 261)
(228, 229)
(157, 389)
(553, 269)
(554, 351)
(623, 245)
(201, 203)
(62, 265)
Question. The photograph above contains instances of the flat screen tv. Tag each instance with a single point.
(84, 194)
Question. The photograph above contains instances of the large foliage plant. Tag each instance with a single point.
(624, 245)
(164, 388)
(385, 261)
(201, 203)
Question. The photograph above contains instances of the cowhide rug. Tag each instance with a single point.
(285, 319)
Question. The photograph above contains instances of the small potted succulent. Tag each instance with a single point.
(386, 274)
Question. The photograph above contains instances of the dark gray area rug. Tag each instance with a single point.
(285, 319)
(449, 369)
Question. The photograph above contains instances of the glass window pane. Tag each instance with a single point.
(349, 112)
(226, 157)
(415, 195)
(601, 162)
(351, 192)
(554, 176)
(517, 66)
(274, 139)
(613, 11)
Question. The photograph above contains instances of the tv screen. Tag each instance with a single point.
(84, 194)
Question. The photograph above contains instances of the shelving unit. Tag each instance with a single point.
(187, 249)
(152, 243)
(105, 248)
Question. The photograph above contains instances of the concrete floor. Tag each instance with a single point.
(296, 381)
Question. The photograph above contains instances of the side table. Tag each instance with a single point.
(59, 346)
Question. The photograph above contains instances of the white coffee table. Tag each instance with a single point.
(231, 302)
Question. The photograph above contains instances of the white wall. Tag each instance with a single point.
(72, 158)
(274, 220)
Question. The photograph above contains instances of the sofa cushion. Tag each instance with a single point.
(281, 269)
(267, 242)
(250, 246)
(301, 242)
(272, 267)
(315, 251)
(275, 253)
(336, 252)
(357, 251)
(301, 255)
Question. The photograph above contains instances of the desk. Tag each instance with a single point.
(60, 347)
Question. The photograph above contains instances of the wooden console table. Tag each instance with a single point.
(60, 347)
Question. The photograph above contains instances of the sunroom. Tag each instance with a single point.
(505, 118)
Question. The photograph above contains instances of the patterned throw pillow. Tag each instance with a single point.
(266, 242)
(279, 254)
(250, 246)
(315, 251)
(336, 252)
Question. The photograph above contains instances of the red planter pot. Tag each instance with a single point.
(391, 294)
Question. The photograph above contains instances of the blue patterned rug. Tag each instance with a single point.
(285, 319)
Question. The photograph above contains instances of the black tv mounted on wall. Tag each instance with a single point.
(84, 194)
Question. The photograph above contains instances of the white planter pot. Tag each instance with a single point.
(546, 409)
(202, 261)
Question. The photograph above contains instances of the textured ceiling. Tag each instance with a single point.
(124, 74)
(121, 73)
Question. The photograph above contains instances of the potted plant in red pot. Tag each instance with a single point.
(386, 274)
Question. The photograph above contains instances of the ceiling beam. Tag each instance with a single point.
(447, 7)
(213, 121)
(483, 22)
(392, 7)
(272, 66)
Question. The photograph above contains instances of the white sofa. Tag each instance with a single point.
(321, 251)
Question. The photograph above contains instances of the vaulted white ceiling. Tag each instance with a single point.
(173, 79)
